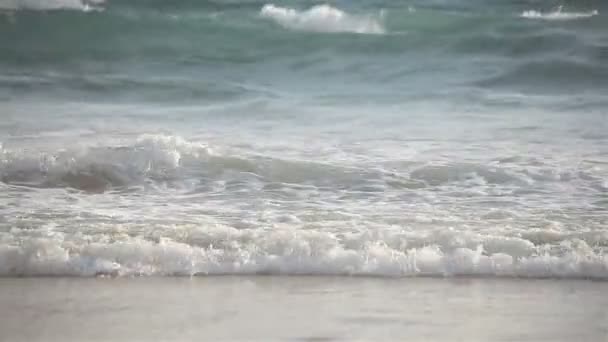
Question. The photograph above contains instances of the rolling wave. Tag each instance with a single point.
(101, 168)
(172, 159)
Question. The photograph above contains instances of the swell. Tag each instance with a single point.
(130, 31)
(561, 75)
(192, 40)
(116, 87)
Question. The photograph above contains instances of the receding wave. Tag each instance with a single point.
(322, 18)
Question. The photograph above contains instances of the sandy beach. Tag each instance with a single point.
(268, 308)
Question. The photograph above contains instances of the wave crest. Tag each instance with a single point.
(46, 5)
(558, 14)
(322, 18)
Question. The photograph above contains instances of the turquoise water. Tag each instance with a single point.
(391, 138)
(381, 51)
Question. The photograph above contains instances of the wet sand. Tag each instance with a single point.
(267, 308)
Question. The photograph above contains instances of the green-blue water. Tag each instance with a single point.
(205, 51)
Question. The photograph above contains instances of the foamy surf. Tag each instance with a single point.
(217, 250)
(558, 14)
(244, 214)
(322, 18)
(222, 137)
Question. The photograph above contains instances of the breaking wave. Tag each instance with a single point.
(219, 250)
(558, 14)
(173, 160)
(322, 18)
(45, 5)
(162, 158)
(97, 169)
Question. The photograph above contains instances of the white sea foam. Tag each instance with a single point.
(558, 14)
(215, 250)
(82, 5)
(322, 18)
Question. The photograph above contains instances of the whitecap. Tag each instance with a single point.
(46, 5)
(322, 18)
(558, 14)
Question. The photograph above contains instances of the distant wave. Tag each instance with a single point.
(82, 5)
(322, 18)
(558, 14)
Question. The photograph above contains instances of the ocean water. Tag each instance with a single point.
(359, 138)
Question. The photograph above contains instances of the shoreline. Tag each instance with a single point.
(296, 308)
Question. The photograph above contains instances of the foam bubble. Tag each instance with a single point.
(322, 18)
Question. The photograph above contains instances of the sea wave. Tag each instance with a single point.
(566, 74)
(46, 5)
(97, 169)
(221, 250)
(162, 158)
(558, 14)
(322, 18)
(172, 159)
